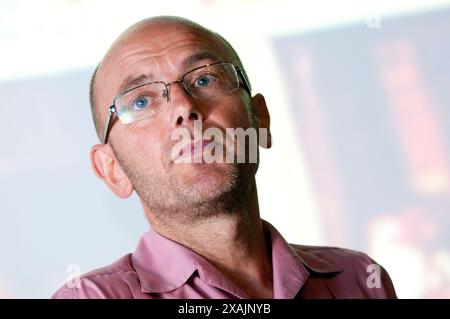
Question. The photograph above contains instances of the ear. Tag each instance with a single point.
(106, 166)
(262, 117)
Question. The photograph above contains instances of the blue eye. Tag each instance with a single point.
(203, 81)
(141, 102)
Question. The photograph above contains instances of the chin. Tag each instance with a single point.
(206, 182)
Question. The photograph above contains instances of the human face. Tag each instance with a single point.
(143, 148)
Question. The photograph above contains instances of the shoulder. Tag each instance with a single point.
(354, 271)
(112, 281)
(341, 258)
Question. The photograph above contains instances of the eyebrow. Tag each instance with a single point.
(133, 81)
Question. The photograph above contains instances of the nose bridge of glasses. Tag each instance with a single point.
(185, 87)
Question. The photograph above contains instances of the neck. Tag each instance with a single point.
(233, 242)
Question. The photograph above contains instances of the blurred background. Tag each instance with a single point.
(359, 98)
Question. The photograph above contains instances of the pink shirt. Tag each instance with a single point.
(162, 268)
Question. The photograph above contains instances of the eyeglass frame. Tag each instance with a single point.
(112, 111)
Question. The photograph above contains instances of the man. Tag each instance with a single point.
(206, 240)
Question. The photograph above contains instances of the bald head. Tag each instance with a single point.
(152, 30)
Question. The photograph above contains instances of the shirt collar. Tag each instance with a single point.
(164, 265)
(292, 267)
(161, 263)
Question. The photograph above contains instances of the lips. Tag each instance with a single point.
(194, 148)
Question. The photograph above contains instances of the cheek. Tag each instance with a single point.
(235, 114)
(140, 134)
(141, 144)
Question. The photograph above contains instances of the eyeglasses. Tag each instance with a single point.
(146, 100)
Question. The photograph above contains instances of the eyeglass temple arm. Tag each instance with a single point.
(244, 80)
(112, 110)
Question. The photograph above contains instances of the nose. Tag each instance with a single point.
(185, 111)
